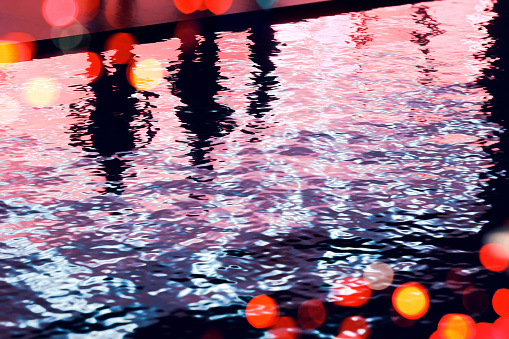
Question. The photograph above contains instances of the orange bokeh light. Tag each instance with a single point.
(456, 326)
(311, 314)
(357, 325)
(187, 6)
(500, 302)
(218, 6)
(60, 13)
(494, 257)
(123, 44)
(9, 53)
(27, 47)
(262, 311)
(411, 300)
(351, 292)
(145, 74)
(285, 328)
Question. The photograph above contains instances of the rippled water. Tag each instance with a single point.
(271, 160)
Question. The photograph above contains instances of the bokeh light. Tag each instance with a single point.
(494, 257)
(502, 326)
(145, 74)
(456, 326)
(311, 314)
(60, 13)
(27, 47)
(120, 13)
(9, 53)
(123, 44)
(69, 38)
(95, 69)
(267, 4)
(40, 92)
(262, 311)
(88, 10)
(379, 275)
(458, 279)
(285, 328)
(348, 335)
(486, 331)
(475, 299)
(218, 6)
(411, 300)
(434, 335)
(351, 292)
(187, 6)
(357, 325)
(10, 109)
(500, 302)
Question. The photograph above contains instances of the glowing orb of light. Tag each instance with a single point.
(411, 300)
(41, 92)
(494, 257)
(9, 53)
(356, 324)
(379, 275)
(351, 292)
(95, 69)
(456, 326)
(187, 6)
(311, 314)
(60, 13)
(146, 74)
(17, 46)
(123, 44)
(348, 335)
(262, 311)
(285, 328)
(88, 10)
(9, 111)
(218, 6)
(502, 327)
(500, 302)
(120, 13)
(486, 331)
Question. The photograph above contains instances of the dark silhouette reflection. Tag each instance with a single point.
(110, 124)
(495, 79)
(421, 17)
(196, 83)
(263, 46)
(361, 36)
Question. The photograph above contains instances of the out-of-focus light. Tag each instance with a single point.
(434, 335)
(311, 314)
(9, 53)
(350, 292)
(146, 74)
(9, 110)
(379, 275)
(456, 326)
(218, 6)
(494, 257)
(211, 333)
(95, 69)
(502, 326)
(262, 311)
(267, 4)
(475, 299)
(458, 279)
(186, 32)
(40, 92)
(187, 6)
(357, 325)
(411, 300)
(120, 13)
(70, 37)
(123, 44)
(500, 302)
(285, 328)
(60, 13)
(88, 10)
(486, 331)
(348, 335)
(27, 47)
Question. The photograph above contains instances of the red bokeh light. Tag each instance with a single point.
(311, 314)
(500, 302)
(218, 6)
(262, 311)
(502, 326)
(88, 10)
(120, 13)
(348, 335)
(285, 328)
(351, 292)
(27, 47)
(95, 69)
(486, 331)
(187, 6)
(357, 325)
(123, 44)
(494, 257)
(60, 13)
(475, 299)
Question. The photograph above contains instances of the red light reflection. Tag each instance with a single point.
(311, 314)
(60, 13)
(351, 292)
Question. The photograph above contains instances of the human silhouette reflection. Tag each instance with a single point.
(432, 29)
(196, 83)
(111, 123)
(262, 48)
